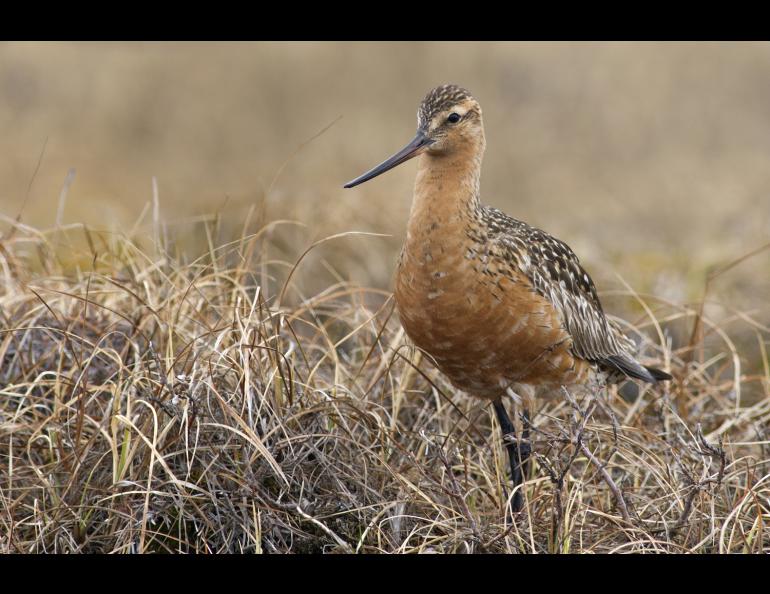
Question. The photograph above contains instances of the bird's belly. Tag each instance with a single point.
(484, 330)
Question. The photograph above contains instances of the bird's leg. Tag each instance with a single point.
(525, 449)
(514, 452)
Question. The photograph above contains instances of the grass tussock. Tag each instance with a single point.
(149, 404)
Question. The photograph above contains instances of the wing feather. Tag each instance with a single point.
(555, 273)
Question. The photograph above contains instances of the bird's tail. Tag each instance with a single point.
(659, 375)
(632, 368)
(625, 362)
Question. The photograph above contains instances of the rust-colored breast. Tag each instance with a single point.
(478, 316)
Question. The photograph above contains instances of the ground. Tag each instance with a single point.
(154, 404)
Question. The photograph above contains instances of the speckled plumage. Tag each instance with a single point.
(438, 100)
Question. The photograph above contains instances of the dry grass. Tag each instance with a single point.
(150, 404)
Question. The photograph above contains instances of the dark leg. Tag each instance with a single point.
(516, 452)
(524, 448)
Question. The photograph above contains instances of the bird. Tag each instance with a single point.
(499, 306)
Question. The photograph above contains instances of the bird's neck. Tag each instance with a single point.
(446, 191)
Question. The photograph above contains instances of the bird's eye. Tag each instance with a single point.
(453, 118)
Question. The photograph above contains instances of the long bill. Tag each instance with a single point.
(418, 144)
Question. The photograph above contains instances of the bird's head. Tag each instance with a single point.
(448, 120)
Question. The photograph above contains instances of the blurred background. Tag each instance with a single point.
(652, 160)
